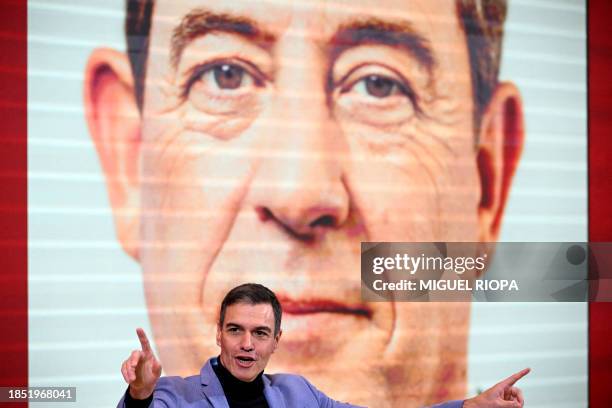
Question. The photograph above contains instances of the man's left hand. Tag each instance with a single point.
(502, 395)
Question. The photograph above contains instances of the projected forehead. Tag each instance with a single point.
(319, 18)
(409, 25)
(355, 31)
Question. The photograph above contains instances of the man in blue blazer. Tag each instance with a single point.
(248, 333)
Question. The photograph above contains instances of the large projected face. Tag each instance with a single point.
(274, 138)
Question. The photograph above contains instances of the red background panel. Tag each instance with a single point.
(600, 191)
(13, 196)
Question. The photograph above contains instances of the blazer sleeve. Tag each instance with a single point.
(449, 404)
(326, 402)
(164, 396)
(128, 402)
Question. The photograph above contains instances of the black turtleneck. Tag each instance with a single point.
(240, 394)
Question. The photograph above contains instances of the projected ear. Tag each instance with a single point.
(500, 144)
(113, 119)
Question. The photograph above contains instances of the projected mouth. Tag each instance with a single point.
(312, 306)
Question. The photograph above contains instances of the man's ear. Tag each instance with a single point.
(277, 339)
(114, 123)
(218, 335)
(499, 149)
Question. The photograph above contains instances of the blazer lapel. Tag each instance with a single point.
(273, 395)
(211, 387)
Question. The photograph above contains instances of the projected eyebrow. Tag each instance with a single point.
(402, 34)
(200, 22)
(374, 31)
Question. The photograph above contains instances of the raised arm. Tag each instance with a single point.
(141, 370)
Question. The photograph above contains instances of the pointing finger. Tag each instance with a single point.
(509, 382)
(144, 341)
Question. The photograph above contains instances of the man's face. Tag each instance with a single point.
(274, 138)
(247, 339)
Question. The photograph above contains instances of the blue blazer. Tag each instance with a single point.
(281, 391)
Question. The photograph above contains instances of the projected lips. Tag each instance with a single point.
(311, 306)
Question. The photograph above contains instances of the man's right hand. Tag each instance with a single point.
(141, 370)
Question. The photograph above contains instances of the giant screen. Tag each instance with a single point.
(178, 148)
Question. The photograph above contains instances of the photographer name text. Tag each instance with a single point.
(447, 285)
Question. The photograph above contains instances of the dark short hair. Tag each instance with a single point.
(252, 294)
(482, 22)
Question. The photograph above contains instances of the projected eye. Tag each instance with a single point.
(376, 95)
(223, 87)
(228, 76)
(377, 86)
